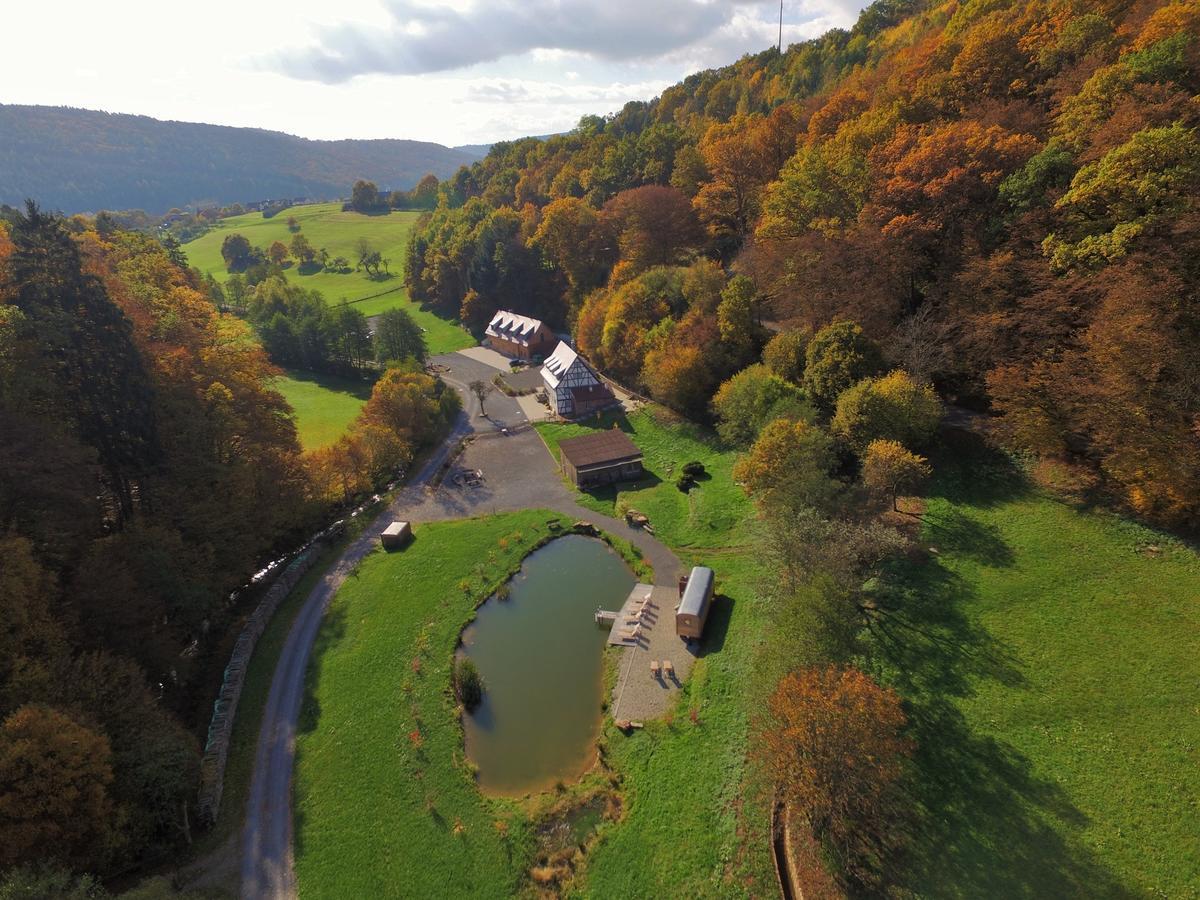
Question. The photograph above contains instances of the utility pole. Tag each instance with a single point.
(780, 46)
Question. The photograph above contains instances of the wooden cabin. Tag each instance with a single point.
(600, 458)
(572, 388)
(695, 601)
(517, 335)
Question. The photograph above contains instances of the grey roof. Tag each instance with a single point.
(697, 593)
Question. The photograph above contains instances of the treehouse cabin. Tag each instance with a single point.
(600, 458)
(572, 388)
(518, 336)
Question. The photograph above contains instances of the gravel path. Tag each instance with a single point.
(519, 474)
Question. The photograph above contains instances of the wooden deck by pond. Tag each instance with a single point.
(645, 628)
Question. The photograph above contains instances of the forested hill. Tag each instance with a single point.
(1002, 194)
(78, 160)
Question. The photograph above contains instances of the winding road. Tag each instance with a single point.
(521, 475)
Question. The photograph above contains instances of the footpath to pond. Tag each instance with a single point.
(519, 473)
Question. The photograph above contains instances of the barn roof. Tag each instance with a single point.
(602, 448)
(698, 592)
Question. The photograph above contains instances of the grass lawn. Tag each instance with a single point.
(385, 804)
(325, 405)
(1051, 661)
(704, 518)
(325, 225)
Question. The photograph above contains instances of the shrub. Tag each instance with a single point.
(468, 684)
(694, 469)
(685, 483)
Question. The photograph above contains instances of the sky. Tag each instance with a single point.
(454, 72)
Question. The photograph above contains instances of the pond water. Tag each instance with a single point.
(540, 653)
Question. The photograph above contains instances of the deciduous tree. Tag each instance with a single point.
(833, 740)
(55, 802)
(889, 468)
(893, 407)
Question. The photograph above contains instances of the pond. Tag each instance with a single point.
(541, 655)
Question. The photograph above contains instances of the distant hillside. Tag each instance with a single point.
(80, 160)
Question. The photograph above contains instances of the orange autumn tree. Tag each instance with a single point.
(832, 742)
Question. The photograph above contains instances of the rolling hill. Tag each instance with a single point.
(78, 160)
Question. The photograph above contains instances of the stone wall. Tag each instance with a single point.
(220, 730)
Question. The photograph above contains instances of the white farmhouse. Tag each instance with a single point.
(572, 387)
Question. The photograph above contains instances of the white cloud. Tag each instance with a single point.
(551, 60)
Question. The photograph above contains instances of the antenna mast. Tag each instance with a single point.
(780, 46)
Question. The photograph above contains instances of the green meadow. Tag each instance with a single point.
(324, 405)
(325, 225)
(1050, 660)
(385, 803)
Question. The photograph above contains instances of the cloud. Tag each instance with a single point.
(546, 93)
(421, 38)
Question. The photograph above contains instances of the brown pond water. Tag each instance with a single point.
(540, 653)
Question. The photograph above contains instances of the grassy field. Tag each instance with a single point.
(1051, 661)
(325, 225)
(385, 804)
(325, 405)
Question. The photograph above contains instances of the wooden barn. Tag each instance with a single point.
(696, 594)
(600, 458)
(519, 336)
(572, 387)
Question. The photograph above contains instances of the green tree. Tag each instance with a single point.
(364, 197)
(1111, 203)
(784, 354)
(237, 252)
(93, 368)
(738, 319)
(397, 337)
(302, 250)
(789, 467)
(838, 356)
(753, 397)
(894, 407)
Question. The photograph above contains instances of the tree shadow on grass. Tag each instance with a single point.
(972, 472)
(331, 632)
(982, 822)
(953, 531)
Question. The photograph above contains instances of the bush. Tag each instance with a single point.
(685, 483)
(468, 684)
(693, 469)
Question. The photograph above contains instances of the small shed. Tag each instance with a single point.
(396, 535)
(600, 458)
(694, 604)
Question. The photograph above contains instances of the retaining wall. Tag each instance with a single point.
(220, 729)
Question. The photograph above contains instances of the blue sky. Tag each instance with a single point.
(457, 71)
